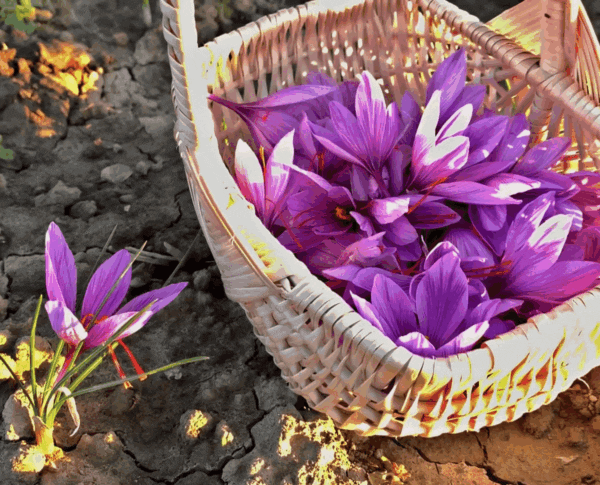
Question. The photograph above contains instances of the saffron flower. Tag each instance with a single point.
(432, 319)
(532, 268)
(265, 186)
(270, 118)
(97, 321)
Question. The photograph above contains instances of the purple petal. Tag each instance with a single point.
(398, 161)
(105, 276)
(527, 220)
(468, 244)
(509, 184)
(164, 296)
(440, 250)
(564, 280)
(480, 171)
(496, 239)
(432, 215)
(365, 279)
(515, 140)
(336, 141)
(542, 248)
(401, 232)
(569, 208)
(492, 217)
(472, 95)
(463, 342)
(484, 136)
(442, 298)
(473, 193)
(278, 171)
(61, 273)
(456, 124)
(498, 327)
(416, 343)
(344, 273)
(450, 77)
(365, 309)
(386, 211)
(66, 325)
(380, 126)
(102, 331)
(393, 307)
(542, 156)
(249, 177)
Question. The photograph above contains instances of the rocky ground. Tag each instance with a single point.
(86, 111)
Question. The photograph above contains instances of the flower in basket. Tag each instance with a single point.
(371, 187)
(436, 317)
(100, 313)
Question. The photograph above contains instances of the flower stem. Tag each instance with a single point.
(43, 436)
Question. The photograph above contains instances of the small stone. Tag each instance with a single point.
(538, 422)
(84, 209)
(274, 392)
(60, 194)
(17, 419)
(358, 474)
(121, 38)
(66, 36)
(203, 299)
(595, 422)
(127, 198)
(202, 279)
(158, 125)
(576, 438)
(7, 339)
(3, 310)
(193, 424)
(100, 449)
(121, 401)
(150, 48)
(143, 166)
(116, 173)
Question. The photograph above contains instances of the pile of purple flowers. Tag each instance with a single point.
(438, 225)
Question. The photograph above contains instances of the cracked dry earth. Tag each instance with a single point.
(85, 108)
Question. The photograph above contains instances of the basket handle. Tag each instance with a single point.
(561, 34)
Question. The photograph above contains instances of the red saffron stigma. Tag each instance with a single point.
(122, 375)
(137, 367)
(427, 194)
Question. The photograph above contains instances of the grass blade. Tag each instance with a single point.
(36, 407)
(18, 381)
(110, 384)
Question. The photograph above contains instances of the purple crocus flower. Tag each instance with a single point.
(438, 155)
(97, 323)
(433, 318)
(270, 118)
(265, 187)
(450, 78)
(367, 139)
(532, 267)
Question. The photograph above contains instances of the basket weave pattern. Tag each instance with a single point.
(327, 353)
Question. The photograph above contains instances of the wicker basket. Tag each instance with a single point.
(367, 383)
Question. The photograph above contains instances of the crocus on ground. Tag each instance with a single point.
(97, 322)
